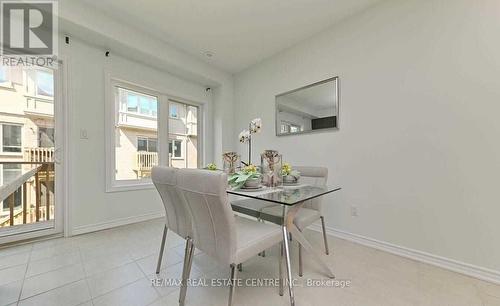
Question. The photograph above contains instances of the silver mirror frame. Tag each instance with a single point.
(337, 89)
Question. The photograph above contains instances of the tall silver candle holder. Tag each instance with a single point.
(270, 164)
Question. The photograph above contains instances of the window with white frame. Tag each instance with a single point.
(138, 103)
(11, 139)
(145, 144)
(40, 83)
(44, 83)
(174, 110)
(147, 128)
(136, 134)
(175, 148)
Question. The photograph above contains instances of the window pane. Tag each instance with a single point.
(45, 83)
(177, 148)
(11, 138)
(152, 145)
(46, 137)
(183, 135)
(173, 111)
(132, 104)
(3, 74)
(145, 105)
(142, 144)
(154, 109)
(10, 172)
(135, 135)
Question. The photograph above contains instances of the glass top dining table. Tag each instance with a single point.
(280, 205)
(285, 195)
(271, 199)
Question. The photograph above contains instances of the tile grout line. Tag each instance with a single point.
(60, 268)
(24, 277)
(32, 296)
(98, 296)
(52, 270)
(85, 275)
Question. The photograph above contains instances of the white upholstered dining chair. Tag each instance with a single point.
(177, 218)
(217, 232)
(312, 210)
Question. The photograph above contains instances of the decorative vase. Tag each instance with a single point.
(231, 161)
(270, 163)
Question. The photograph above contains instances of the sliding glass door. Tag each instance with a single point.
(29, 142)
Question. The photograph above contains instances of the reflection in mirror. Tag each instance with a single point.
(307, 109)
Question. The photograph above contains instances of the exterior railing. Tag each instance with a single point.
(145, 161)
(36, 187)
(39, 155)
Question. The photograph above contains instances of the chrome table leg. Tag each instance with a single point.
(288, 265)
(282, 279)
(327, 251)
(300, 261)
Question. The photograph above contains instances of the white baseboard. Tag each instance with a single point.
(435, 260)
(114, 223)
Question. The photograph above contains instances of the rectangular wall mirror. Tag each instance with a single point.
(308, 109)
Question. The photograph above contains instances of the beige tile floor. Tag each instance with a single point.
(115, 267)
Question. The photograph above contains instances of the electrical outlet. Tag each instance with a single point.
(354, 211)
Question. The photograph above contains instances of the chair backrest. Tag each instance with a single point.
(314, 176)
(176, 213)
(214, 227)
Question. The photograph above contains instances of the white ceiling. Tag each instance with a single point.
(238, 32)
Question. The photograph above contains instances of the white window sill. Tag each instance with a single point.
(7, 85)
(42, 98)
(123, 186)
(12, 154)
(133, 114)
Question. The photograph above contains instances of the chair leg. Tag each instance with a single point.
(186, 271)
(288, 265)
(162, 248)
(300, 261)
(282, 279)
(232, 286)
(263, 253)
(327, 251)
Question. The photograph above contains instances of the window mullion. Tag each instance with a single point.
(163, 120)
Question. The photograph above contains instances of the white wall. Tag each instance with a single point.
(96, 28)
(133, 53)
(87, 65)
(418, 150)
